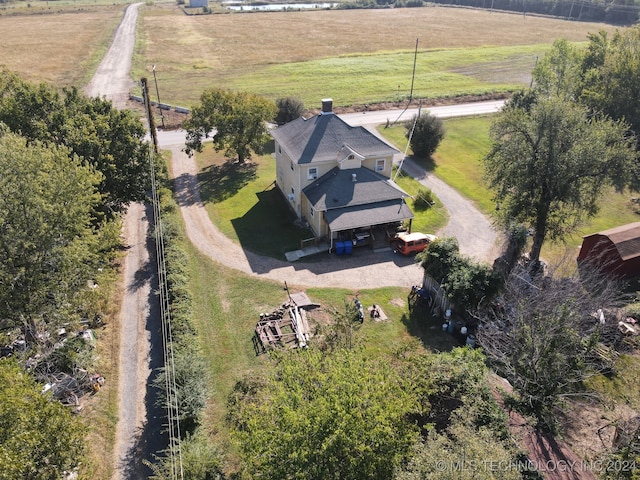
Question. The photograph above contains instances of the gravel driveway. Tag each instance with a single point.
(138, 318)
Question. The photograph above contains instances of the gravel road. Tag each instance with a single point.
(137, 425)
(138, 312)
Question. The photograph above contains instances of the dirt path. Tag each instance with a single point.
(113, 82)
(551, 457)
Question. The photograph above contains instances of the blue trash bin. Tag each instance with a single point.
(339, 248)
(348, 247)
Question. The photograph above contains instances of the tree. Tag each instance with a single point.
(425, 134)
(461, 453)
(289, 108)
(39, 438)
(48, 248)
(611, 72)
(110, 140)
(465, 427)
(339, 415)
(190, 388)
(558, 73)
(545, 336)
(237, 120)
(200, 460)
(550, 163)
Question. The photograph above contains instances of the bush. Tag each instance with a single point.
(428, 132)
(289, 108)
(423, 200)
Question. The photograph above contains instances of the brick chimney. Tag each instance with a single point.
(327, 105)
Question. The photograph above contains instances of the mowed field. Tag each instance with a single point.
(352, 56)
(58, 47)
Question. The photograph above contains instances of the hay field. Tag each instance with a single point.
(353, 56)
(348, 53)
(59, 48)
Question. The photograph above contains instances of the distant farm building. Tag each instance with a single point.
(198, 3)
(615, 251)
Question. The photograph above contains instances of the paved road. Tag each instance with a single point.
(446, 111)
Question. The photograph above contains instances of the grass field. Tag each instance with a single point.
(352, 56)
(458, 161)
(59, 48)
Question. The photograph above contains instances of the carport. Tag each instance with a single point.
(366, 216)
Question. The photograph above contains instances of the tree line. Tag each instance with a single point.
(69, 166)
(614, 12)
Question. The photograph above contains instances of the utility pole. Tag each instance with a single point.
(147, 108)
(158, 95)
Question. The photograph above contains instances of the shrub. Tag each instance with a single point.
(289, 108)
(423, 200)
(428, 132)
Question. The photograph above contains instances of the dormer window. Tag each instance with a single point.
(351, 157)
(312, 173)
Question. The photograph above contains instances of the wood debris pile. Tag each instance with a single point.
(285, 327)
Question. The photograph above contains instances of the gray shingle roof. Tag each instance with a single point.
(365, 215)
(625, 238)
(322, 137)
(337, 189)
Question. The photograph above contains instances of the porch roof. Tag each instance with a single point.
(359, 216)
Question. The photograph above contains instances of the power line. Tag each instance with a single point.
(173, 414)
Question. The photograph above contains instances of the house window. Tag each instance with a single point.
(312, 211)
(291, 165)
(312, 173)
(351, 157)
(292, 195)
(279, 149)
(380, 165)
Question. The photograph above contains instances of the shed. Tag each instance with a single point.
(615, 251)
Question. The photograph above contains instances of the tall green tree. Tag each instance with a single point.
(110, 140)
(237, 122)
(558, 73)
(39, 438)
(48, 246)
(551, 162)
(611, 71)
(289, 108)
(343, 416)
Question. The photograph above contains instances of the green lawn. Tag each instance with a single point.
(243, 200)
(382, 76)
(227, 304)
(458, 162)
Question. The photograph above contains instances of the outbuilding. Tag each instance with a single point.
(615, 251)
